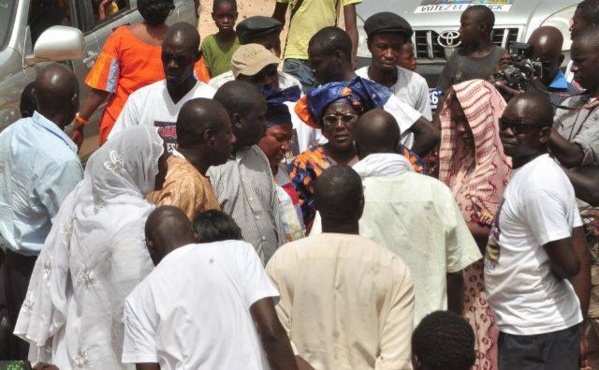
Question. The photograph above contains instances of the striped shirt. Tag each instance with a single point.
(246, 191)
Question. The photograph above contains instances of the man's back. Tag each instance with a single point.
(193, 310)
(346, 302)
(38, 168)
(416, 217)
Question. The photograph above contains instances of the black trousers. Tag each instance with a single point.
(559, 350)
(17, 271)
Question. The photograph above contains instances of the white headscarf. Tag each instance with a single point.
(93, 257)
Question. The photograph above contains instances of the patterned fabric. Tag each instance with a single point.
(277, 112)
(358, 92)
(477, 179)
(418, 164)
(306, 168)
(185, 188)
(93, 257)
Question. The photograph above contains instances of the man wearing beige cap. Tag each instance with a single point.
(253, 63)
(261, 30)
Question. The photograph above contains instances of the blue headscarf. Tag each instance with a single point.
(357, 92)
(277, 113)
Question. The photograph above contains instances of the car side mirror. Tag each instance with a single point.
(58, 44)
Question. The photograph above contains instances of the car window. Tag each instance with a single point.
(6, 19)
(44, 14)
(105, 10)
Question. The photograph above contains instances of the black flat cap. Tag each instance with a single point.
(387, 22)
(256, 26)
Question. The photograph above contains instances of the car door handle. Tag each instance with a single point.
(90, 58)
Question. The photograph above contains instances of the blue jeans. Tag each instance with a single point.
(300, 69)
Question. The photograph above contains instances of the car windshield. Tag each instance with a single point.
(6, 20)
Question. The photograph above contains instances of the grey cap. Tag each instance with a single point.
(387, 22)
(256, 26)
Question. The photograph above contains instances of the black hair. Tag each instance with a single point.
(332, 39)
(217, 3)
(482, 14)
(589, 11)
(155, 12)
(338, 193)
(239, 97)
(195, 117)
(213, 226)
(27, 105)
(444, 341)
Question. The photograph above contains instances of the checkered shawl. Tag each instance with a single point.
(476, 179)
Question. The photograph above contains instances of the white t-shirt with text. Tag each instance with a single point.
(153, 106)
(539, 207)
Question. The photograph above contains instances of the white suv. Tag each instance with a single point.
(435, 24)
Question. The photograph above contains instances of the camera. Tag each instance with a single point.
(522, 67)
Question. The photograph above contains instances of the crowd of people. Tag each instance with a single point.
(248, 212)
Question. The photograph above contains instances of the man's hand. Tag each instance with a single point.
(593, 226)
(77, 134)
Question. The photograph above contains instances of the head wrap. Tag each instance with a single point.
(357, 92)
(277, 112)
(476, 179)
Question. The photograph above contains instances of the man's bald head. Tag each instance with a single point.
(338, 195)
(180, 52)
(56, 94)
(546, 44)
(376, 132)
(167, 228)
(482, 15)
(196, 116)
(184, 35)
(534, 105)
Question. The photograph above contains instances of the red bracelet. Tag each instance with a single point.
(81, 120)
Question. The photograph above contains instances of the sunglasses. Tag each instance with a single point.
(332, 120)
(517, 127)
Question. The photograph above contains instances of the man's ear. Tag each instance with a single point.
(236, 121)
(544, 135)
(208, 137)
(561, 59)
(339, 56)
(198, 56)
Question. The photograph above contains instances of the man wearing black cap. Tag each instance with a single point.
(261, 30)
(387, 32)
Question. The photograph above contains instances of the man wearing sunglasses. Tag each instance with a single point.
(536, 264)
(159, 104)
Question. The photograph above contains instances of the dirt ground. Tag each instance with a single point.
(245, 8)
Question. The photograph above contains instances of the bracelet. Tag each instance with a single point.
(81, 120)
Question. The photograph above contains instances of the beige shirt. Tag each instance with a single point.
(416, 217)
(185, 188)
(346, 302)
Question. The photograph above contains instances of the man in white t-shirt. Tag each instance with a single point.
(204, 305)
(330, 57)
(387, 32)
(158, 104)
(536, 246)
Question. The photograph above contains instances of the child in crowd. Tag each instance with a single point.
(443, 340)
(219, 48)
(408, 59)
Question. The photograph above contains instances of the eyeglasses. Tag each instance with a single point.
(332, 120)
(517, 127)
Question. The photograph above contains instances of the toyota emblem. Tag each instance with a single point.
(449, 39)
